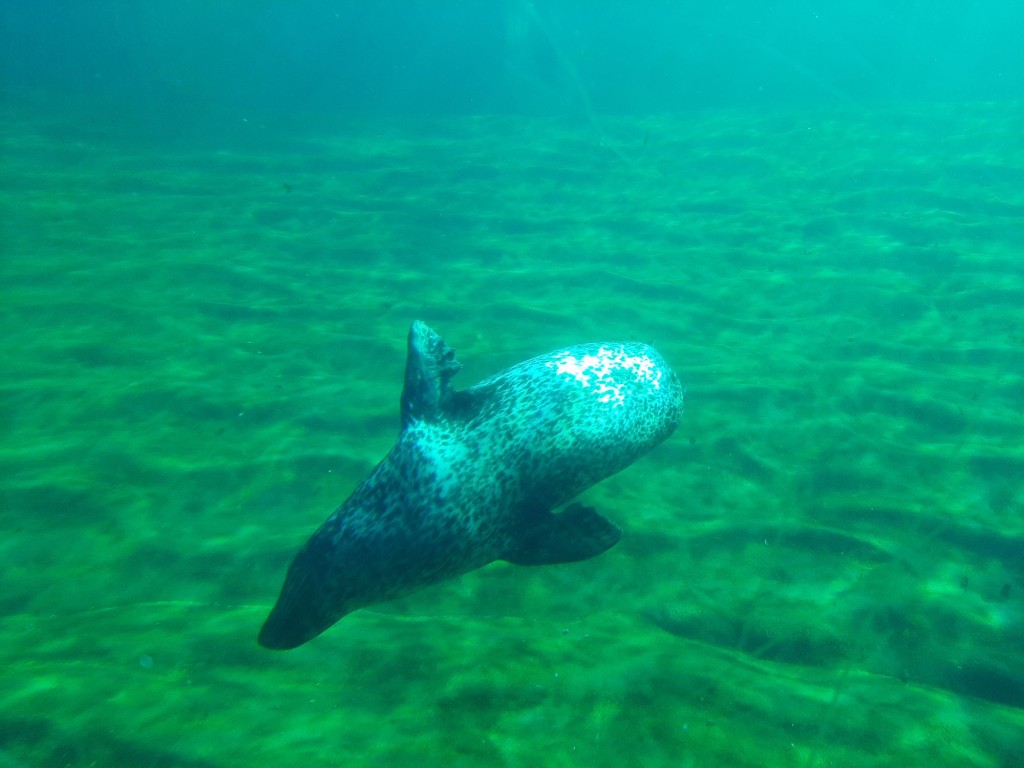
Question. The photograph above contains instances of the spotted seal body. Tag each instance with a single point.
(475, 475)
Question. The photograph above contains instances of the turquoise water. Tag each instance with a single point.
(203, 346)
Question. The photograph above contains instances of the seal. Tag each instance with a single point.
(476, 476)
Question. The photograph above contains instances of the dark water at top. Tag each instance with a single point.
(177, 64)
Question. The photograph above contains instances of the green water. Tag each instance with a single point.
(202, 355)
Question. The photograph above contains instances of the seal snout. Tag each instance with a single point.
(289, 626)
(280, 634)
(301, 613)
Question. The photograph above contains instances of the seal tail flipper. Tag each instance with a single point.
(577, 533)
(429, 369)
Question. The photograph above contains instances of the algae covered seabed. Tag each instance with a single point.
(203, 350)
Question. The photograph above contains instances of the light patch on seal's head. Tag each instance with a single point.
(610, 373)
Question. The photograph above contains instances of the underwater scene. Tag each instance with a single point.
(218, 222)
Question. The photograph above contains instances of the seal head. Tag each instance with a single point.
(476, 475)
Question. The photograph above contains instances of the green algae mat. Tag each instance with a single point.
(202, 355)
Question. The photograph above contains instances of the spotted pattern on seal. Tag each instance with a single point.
(474, 475)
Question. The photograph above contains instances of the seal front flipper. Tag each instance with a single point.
(429, 369)
(577, 533)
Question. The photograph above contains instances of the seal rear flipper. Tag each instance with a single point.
(429, 368)
(577, 533)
